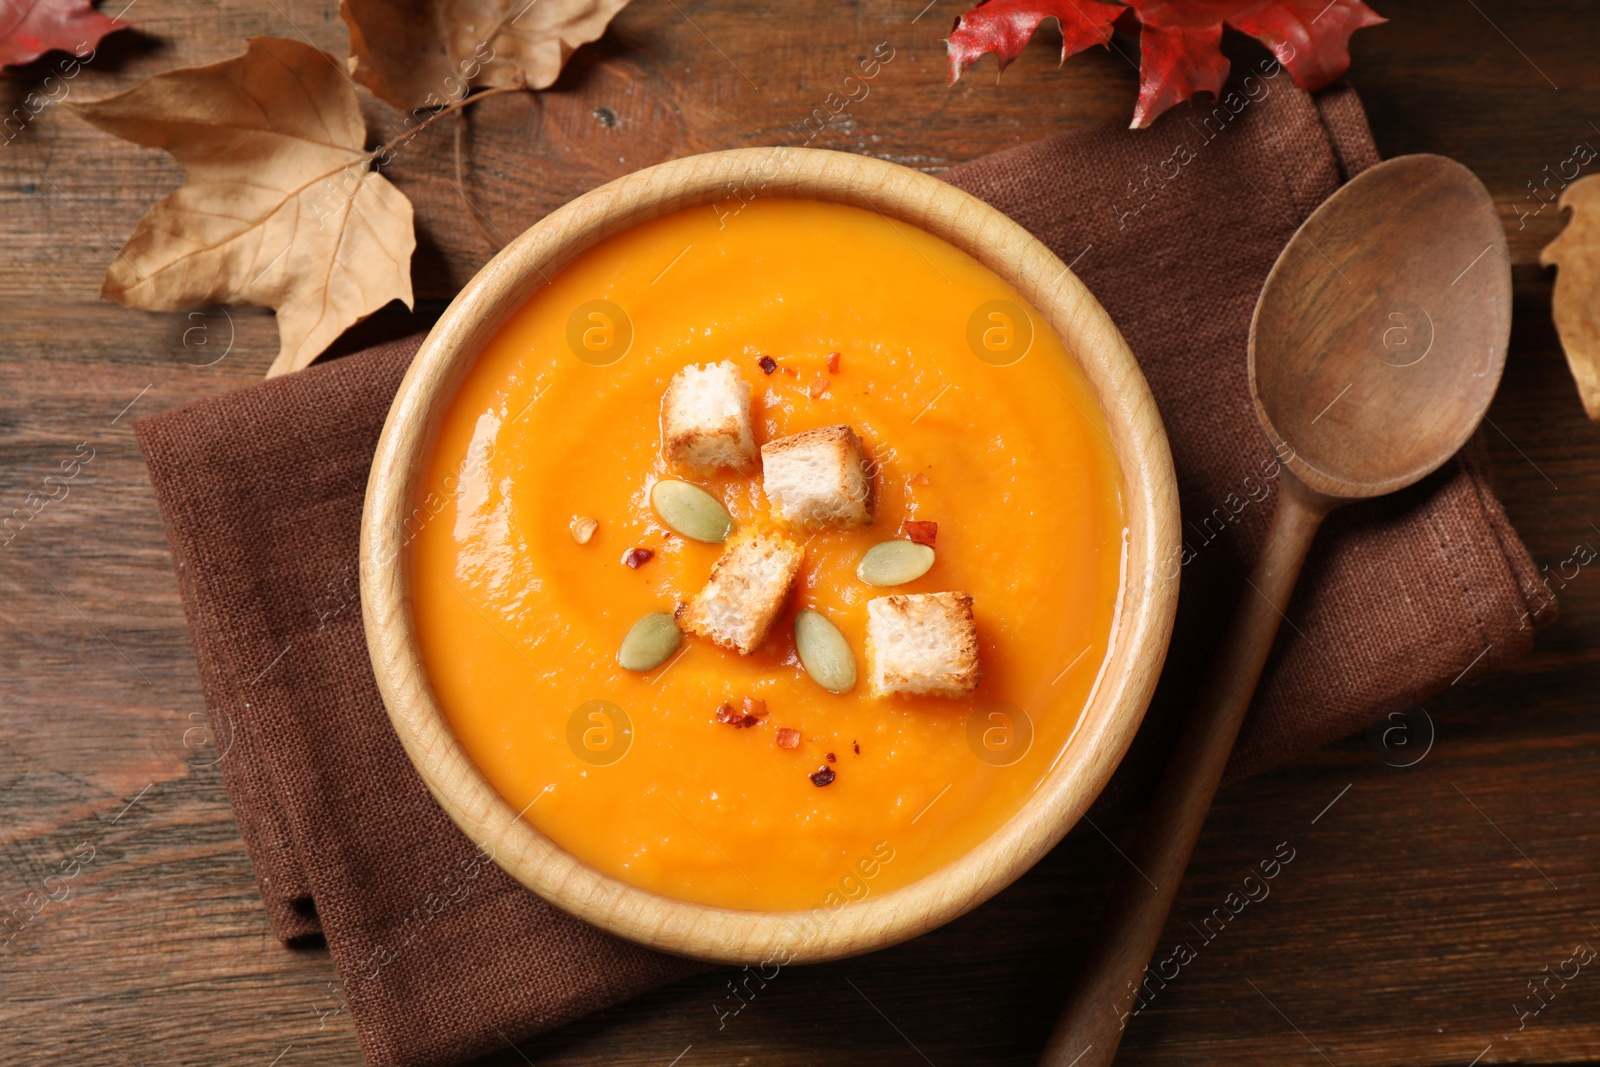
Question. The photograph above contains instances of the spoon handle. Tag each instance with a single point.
(1114, 981)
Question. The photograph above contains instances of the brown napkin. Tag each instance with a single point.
(441, 955)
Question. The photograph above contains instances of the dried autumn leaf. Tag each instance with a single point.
(1179, 45)
(30, 28)
(427, 53)
(281, 207)
(1576, 301)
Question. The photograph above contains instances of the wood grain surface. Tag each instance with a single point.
(1419, 903)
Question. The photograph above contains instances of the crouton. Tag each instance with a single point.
(747, 588)
(818, 477)
(922, 643)
(705, 419)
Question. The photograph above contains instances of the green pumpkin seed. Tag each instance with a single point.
(824, 652)
(894, 563)
(650, 643)
(691, 511)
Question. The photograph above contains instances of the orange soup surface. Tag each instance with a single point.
(558, 418)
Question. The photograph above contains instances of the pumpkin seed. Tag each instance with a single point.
(824, 652)
(894, 563)
(691, 511)
(650, 643)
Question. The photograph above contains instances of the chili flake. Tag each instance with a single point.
(742, 718)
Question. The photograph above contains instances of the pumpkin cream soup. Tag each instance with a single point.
(768, 560)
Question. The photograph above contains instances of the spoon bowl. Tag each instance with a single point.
(1381, 333)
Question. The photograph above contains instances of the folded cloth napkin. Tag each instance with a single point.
(441, 955)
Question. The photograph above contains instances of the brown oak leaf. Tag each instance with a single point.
(1576, 300)
(428, 53)
(30, 28)
(281, 207)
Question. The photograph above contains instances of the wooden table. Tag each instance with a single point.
(1420, 903)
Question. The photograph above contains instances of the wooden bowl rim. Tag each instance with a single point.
(1117, 704)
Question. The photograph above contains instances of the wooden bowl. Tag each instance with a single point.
(1139, 640)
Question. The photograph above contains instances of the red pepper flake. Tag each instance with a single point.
(832, 758)
(750, 714)
(919, 479)
(923, 533)
(788, 737)
(833, 362)
(857, 746)
(818, 387)
(638, 557)
(822, 777)
(767, 364)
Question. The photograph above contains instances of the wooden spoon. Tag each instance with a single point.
(1376, 346)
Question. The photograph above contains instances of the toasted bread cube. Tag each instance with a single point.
(922, 643)
(819, 477)
(747, 588)
(705, 419)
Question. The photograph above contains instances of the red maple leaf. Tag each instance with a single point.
(1179, 45)
(30, 28)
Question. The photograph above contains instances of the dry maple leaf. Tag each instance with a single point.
(1576, 301)
(1179, 44)
(427, 53)
(281, 207)
(30, 28)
